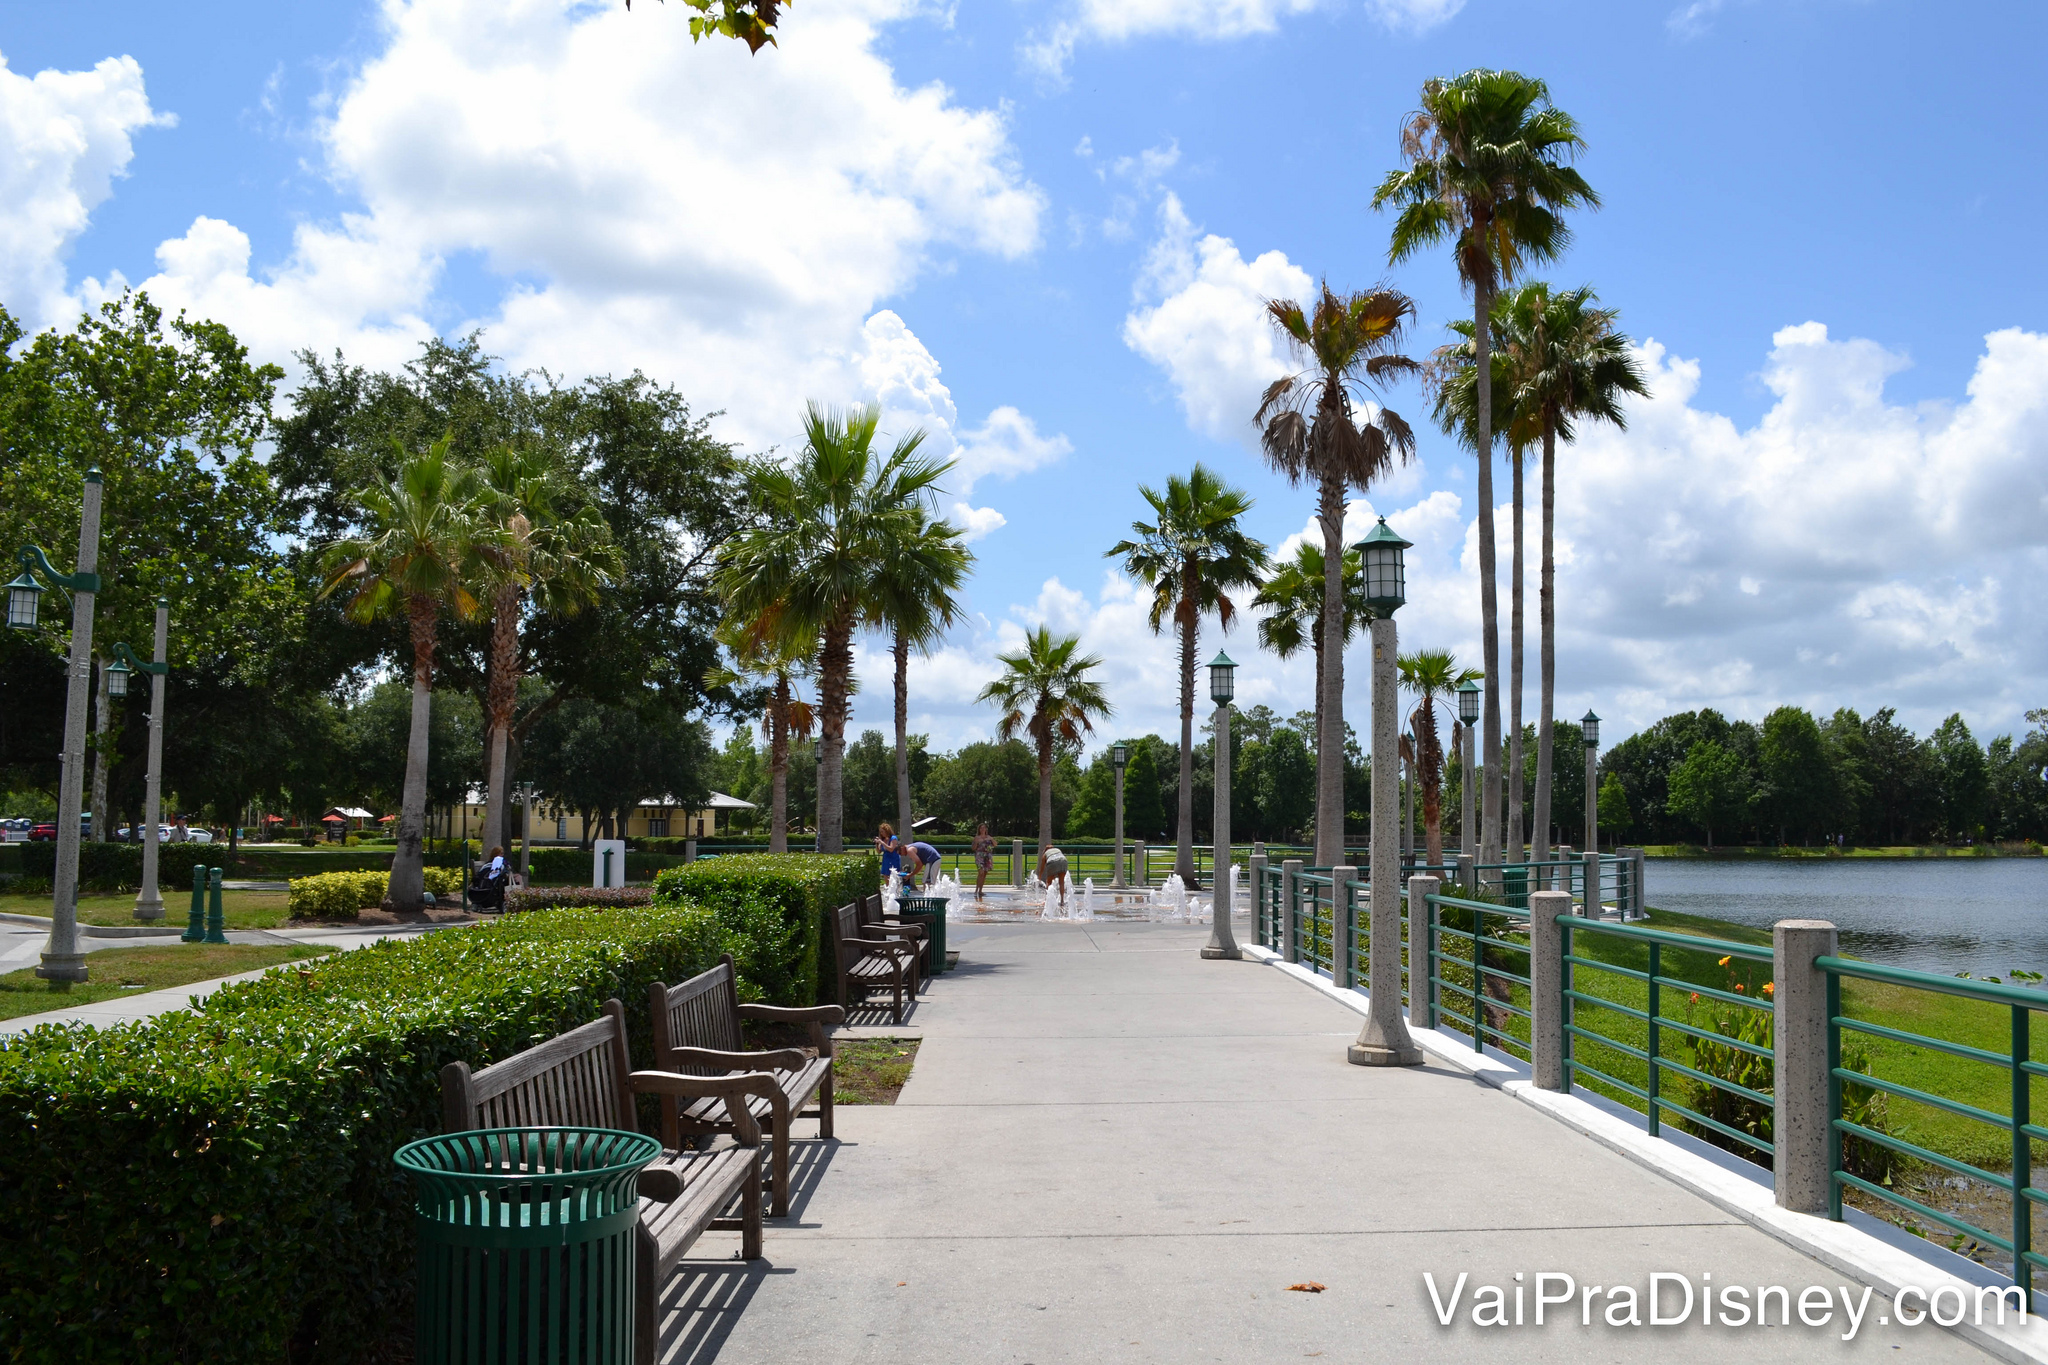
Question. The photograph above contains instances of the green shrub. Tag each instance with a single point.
(789, 960)
(216, 1183)
(340, 895)
(574, 866)
(118, 867)
(582, 897)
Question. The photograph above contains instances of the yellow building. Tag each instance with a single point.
(655, 818)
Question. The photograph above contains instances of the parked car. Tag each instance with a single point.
(196, 835)
(45, 831)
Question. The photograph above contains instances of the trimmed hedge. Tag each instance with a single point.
(574, 866)
(118, 867)
(216, 1183)
(341, 895)
(581, 897)
(772, 908)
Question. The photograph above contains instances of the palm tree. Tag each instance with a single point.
(812, 563)
(1045, 691)
(758, 652)
(1487, 170)
(1293, 597)
(424, 550)
(916, 605)
(553, 553)
(1192, 555)
(1309, 432)
(1433, 676)
(1569, 362)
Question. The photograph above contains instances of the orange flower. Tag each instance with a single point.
(1770, 988)
(1723, 962)
(1695, 997)
(1738, 988)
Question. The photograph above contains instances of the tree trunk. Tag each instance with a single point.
(102, 826)
(1045, 793)
(1514, 769)
(903, 813)
(778, 767)
(408, 864)
(1330, 722)
(1489, 590)
(1546, 611)
(500, 691)
(1184, 831)
(835, 673)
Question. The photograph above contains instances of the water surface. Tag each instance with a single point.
(1984, 916)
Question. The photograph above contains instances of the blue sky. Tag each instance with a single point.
(1042, 230)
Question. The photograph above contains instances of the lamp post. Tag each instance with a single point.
(149, 903)
(61, 959)
(1222, 687)
(1119, 759)
(1468, 716)
(1589, 727)
(1384, 1041)
(525, 832)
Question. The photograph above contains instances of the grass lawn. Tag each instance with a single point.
(871, 1070)
(127, 971)
(240, 909)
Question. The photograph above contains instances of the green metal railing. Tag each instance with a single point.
(1652, 1055)
(1478, 1001)
(2019, 1126)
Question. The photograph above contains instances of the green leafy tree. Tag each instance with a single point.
(752, 22)
(1488, 172)
(1961, 779)
(605, 760)
(1848, 772)
(1283, 782)
(1045, 691)
(758, 652)
(1710, 788)
(421, 556)
(1615, 816)
(1310, 429)
(811, 565)
(988, 784)
(1432, 677)
(1192, 555)
(1145, 788)
(1793, 793)
(1292, 598)
(917, 601)
(1900, 771)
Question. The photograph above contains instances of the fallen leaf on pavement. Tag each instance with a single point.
(1308, 1287)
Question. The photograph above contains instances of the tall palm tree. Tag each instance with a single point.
(1293, 598)
(1488, 171)
(916, 604)
(1192, 555)
(1433, 676)
(424, 550)
(1569, 362)
(1045, 692)
(553, 553)
(812, 562)
(757, 651)
(1309, 431)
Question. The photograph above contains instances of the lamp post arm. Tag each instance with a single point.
(35, 561)
(127, 656)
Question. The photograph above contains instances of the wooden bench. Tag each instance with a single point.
(870, 964)
(875, 923)
(583, 1079)
(697, 1033)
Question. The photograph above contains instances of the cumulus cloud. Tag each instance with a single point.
(1201, 318)
(65, 136)
(1004, 446)
(1050, 50)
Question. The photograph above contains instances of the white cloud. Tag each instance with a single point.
(1004, 446)
(1202, 320)
(1116, 21)
(64, 138)
(976, 522)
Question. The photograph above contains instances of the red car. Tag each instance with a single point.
(43, 831)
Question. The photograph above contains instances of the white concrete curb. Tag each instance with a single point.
(1869, 1250)
(165, 930)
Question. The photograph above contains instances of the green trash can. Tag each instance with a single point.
(527, 1241)
(930, 911)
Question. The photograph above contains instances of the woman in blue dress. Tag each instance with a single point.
(891, 849)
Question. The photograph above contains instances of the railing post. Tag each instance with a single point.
(1421, 996)
(1639, 860)
(1343, 925)
(1016, 862)
(1258, 870)
(1468, 872)
(1290, 889)
(689, 850)
(1589, 864)
(1141, 863)
(1801, 1133)
(1546, 988)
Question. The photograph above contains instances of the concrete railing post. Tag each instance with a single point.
(1468, 872)
(1800, 1131)
(1640, 859)
(1258, 871)
(1290, 887)
(1141, 867)
(1546, 988)
(1421, 999)
(1343, 926)
(1591, 863)
(1016, 862)
(689, 850)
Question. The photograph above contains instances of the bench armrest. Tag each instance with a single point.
(661, 1183)
(732, 1089)
(779, 1059)
(881, 947)
(817, 1017)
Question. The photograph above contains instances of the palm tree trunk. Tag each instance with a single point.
(1514, 772)
(1489, 590)
(835, 673)
(1184, 831)
(1319, 678)
(1330, 721)
(1546, 627)
(903, 734)
(408, 864)
(778, 767)
(499, 695)
(1044, 793)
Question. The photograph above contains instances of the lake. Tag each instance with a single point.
(1985, 916)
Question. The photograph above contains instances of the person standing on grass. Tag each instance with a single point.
(927, 864)
(984, 858)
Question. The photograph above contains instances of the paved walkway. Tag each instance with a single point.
(1112, 1150)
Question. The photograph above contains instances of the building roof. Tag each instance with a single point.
(349, 812)
(718, 801)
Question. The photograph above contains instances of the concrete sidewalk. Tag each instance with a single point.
(1112, 1150)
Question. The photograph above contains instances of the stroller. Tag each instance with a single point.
(487, 889)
